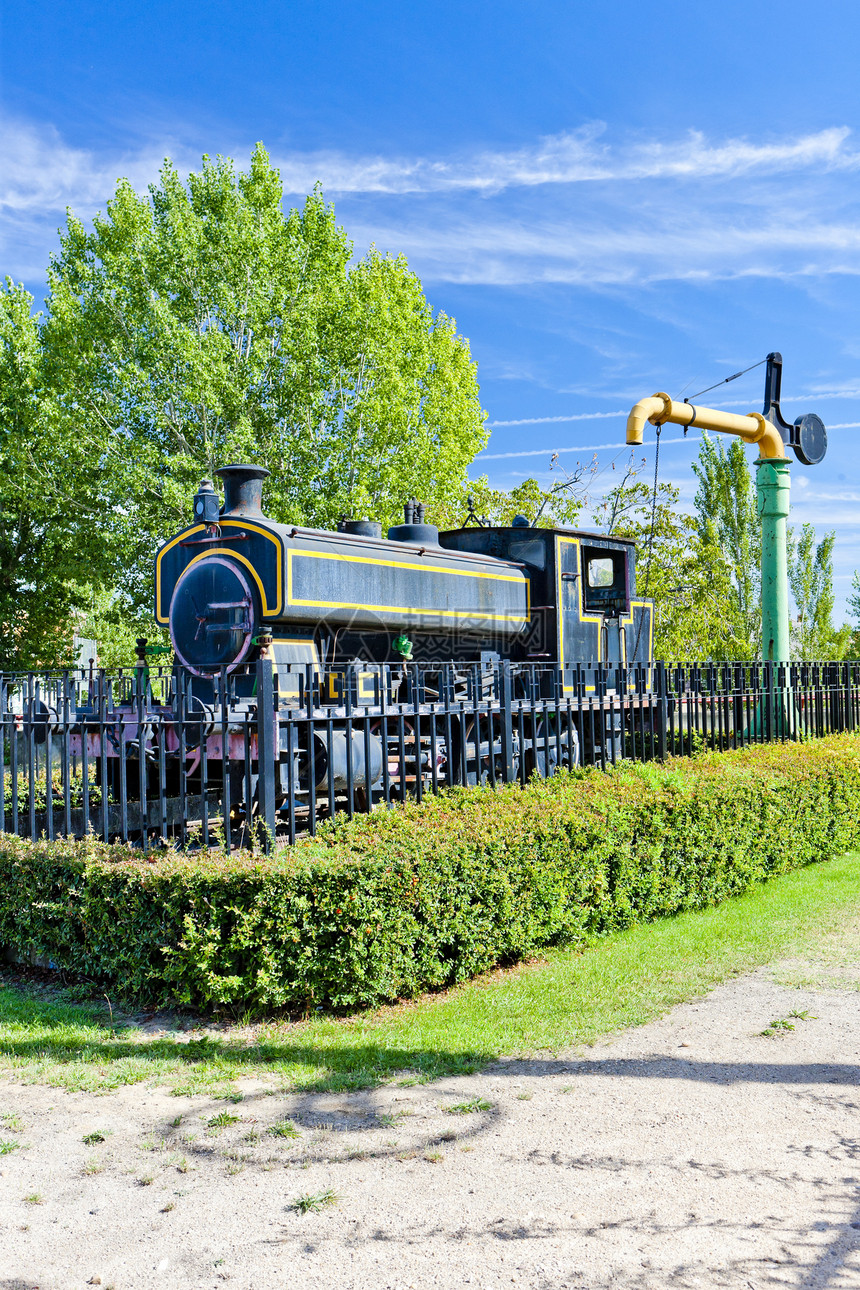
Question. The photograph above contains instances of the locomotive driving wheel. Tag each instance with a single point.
(553, 746)
(481, 748)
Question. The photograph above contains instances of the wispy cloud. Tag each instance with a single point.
(578, 447)
(633, 252)
(570, 157)
(40, 172)
(612, 211)
(39, 169)
(575, 416)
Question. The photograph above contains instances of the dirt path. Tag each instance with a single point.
(690, 1152)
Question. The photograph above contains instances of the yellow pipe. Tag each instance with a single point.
(660, 408)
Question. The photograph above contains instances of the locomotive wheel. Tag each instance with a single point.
(481, 741)
(543, 755)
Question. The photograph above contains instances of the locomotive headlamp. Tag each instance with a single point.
(207, 505)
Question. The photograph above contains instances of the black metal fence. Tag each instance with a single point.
(154, 756)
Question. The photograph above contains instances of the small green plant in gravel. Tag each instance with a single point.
(780, 1025)
(310, 1202)
(222, 1120)
(7, 1145)
(467, 1108)
(284, 1129)
(91, 1139)
(391, 1121)
(35, 1198)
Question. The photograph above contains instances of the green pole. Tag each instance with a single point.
(773, 488)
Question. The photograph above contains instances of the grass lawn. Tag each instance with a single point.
(570, 997)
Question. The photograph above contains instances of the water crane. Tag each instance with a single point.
(772, 434)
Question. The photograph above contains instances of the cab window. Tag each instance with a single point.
(600, 572)
(604, 580)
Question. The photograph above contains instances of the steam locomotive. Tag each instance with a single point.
(344, 616)
(234, 583)
(318, 670)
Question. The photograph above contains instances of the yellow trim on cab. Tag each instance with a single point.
(628, 620)
(583, 618)
(243, 559)
(180, 537)
(279, 565)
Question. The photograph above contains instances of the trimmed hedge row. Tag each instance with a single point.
(422, 896)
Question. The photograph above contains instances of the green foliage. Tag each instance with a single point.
(810, 576)
(311, 1202)
(854, 611)
(115, 622)
(284, 1129)
(467, 1108)
(558, 506)
(37, 789)
(426, 895)
(49, 501)
(729, 531)
(199, 324)
(222, 1120)
(854, 598)
(675, 568)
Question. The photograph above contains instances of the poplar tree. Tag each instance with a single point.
(729, 532)
(810, 575)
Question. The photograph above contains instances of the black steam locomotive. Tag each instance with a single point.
(353, 621)
(317, 671)
(235, 583)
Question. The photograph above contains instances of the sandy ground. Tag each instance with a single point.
(690, 1152)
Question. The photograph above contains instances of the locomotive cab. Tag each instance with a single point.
(583, 593)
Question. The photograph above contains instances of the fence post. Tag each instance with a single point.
(267, 750)
(505, 688)
(662, 710)
(769, 731)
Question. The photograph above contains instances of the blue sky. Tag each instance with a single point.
(610, 198)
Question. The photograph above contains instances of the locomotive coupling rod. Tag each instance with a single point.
(753, 428)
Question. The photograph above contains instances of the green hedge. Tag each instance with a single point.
(422, 896)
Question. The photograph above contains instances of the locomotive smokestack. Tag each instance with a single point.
(243, 489)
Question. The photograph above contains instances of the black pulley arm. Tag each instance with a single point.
(807, 436)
